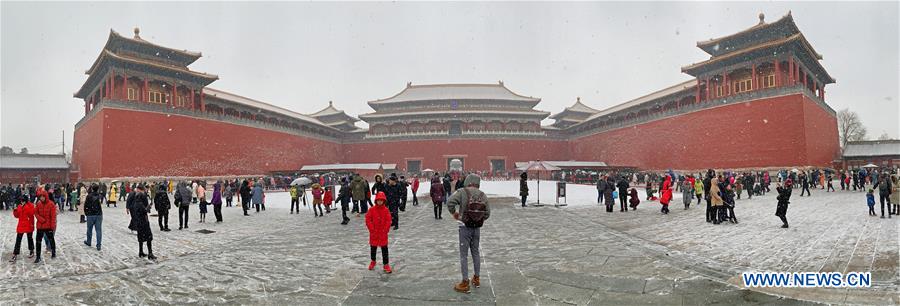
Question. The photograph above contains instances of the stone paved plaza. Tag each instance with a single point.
(537, 255)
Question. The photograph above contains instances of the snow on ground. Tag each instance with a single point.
(579, 254)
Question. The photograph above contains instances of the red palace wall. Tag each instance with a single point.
(140, 143)
(773, 132)
(780, 131)
(476, 152)
(87, 147)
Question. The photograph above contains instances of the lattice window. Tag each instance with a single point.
(743, 85)
(156, 97)
(769, 81)
(132, 94)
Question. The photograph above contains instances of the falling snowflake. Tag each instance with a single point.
(170, 129)
(765, 120)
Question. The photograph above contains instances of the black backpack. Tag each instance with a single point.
(475, 210)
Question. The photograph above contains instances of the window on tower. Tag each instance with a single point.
(769, 81)
(742, 85)
(156, 97)
(132, 94)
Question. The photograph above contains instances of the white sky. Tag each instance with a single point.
(301, 55)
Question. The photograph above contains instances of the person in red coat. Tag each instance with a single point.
(45, 213)
(665, 194)
(415, 188)
(378, 220)
(25, 213)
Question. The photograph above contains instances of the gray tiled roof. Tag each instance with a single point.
(872, 148)
(33, 161)
(455, 92)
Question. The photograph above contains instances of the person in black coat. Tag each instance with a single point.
(804, 183)
(245, 196)
(601, 188)
(623, 193)
(608, 193)
(404, 192)
(523, 187)
(784, 198)
(93, 212)
(707, 183)
(138, 208)
(162, 205)
(344, 197)
(446, 183)
(393, 200)
(748, 185)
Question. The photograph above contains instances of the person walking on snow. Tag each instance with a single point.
(378, 221)
(162, 205)
(687, 192)
(883, 185)
(415, 188)
(139, 219)
(295, 199)
(665, 195)
(344, 196)
(183, 201)
(358, 189)
(473, 210)
(93, 212)
(393, 199)
(257, 196)
(437, 196)
(217, 201)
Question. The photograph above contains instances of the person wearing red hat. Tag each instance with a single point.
(45, 213)
(378, 220)
(24, 211)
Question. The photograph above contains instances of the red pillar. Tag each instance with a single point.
(112, 89)
(791, 78)
(725, 83)
(124, 86)
(822, 90)
(172, 96)
(202, 103)
(753, 77)
(192, 97)
(777, 73)
(106, 88)
(707, 89)
(803, 74)
(697, 92)
(145, 92)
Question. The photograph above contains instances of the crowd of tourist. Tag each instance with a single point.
(36, 206)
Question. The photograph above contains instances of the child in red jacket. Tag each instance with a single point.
(25, 213)
(328, 198)
(378, 220)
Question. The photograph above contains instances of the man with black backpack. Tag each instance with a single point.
(473, 211)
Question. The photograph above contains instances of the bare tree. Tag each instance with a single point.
(7, 150)
(850, 127)
(23, 151)
(884, 136)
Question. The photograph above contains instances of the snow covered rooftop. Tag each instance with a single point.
(33, 161)
(872, 148)
(647, 98)
(331, 167)
(261, 105)
(455, 92)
